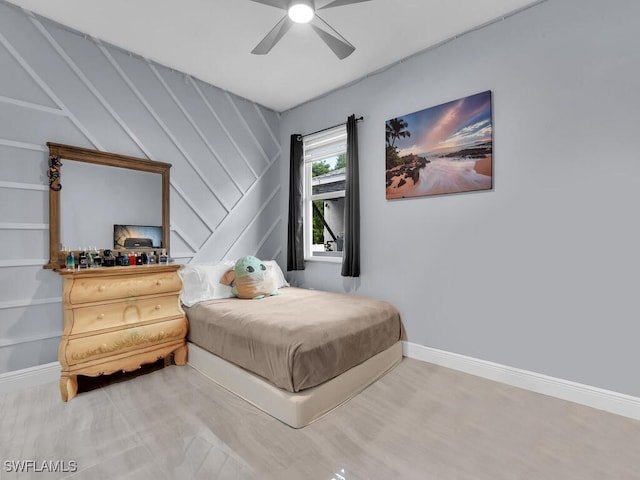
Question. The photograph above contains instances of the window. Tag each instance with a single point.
(325, 168)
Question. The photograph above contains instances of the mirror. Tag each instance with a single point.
(112, 174)
(117, 197)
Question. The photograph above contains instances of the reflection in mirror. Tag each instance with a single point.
(91, 191)
(97, 197)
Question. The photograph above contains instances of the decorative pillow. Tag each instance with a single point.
(202, 282)
(277, 273)
(251, 278)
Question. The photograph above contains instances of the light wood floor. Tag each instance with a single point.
(419, 422)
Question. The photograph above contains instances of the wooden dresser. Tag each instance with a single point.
(118, 318)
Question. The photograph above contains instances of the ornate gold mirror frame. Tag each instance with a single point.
(59, 152)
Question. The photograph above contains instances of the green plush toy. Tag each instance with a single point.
(250, 278)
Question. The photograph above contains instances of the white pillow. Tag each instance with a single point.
(277, 272)
(202, 282)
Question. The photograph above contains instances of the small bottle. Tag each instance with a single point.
(163, 258)
(83, 259)
(96, 260)
(152, 257)
(122, 260)
(132, 258)
(70, 261)
(108, 259)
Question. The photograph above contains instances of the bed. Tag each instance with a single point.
(296, 355)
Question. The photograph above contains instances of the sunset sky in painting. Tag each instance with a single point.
(448, 127)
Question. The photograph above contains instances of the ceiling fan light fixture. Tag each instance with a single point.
(301, 12)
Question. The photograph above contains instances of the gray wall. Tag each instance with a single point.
(542, 272)
(56, 85)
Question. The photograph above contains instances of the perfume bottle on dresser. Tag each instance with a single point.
(70, 261)
(83, 259)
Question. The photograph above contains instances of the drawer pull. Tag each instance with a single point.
(101, 316)
(101, 288)
(158, 282)
(158, 307)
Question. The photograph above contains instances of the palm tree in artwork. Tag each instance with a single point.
(396, 128)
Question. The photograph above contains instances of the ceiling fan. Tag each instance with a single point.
(304, 11)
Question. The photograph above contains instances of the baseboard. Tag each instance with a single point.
(607, 400)
(29, 377)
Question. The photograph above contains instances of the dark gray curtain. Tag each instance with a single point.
(351, 253)
(295, 242)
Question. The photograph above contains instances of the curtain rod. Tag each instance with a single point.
(329, 128)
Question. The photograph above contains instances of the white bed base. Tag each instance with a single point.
(294, 409)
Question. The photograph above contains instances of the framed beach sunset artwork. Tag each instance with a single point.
(442, 149)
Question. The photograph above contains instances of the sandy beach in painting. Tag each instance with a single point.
(444, 175)
(443, 149)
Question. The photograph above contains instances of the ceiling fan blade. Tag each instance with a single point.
(337, 43)
(273, 36)
(283, 4)
(340, 3)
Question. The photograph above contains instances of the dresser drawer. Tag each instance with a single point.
(86, 349)
(135, 310)
(99, 289)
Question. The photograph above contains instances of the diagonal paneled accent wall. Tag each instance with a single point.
(58, 85)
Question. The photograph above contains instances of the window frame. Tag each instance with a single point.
(336, 139)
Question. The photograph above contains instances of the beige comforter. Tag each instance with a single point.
(298, 339)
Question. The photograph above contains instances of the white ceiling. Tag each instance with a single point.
(212, 39)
